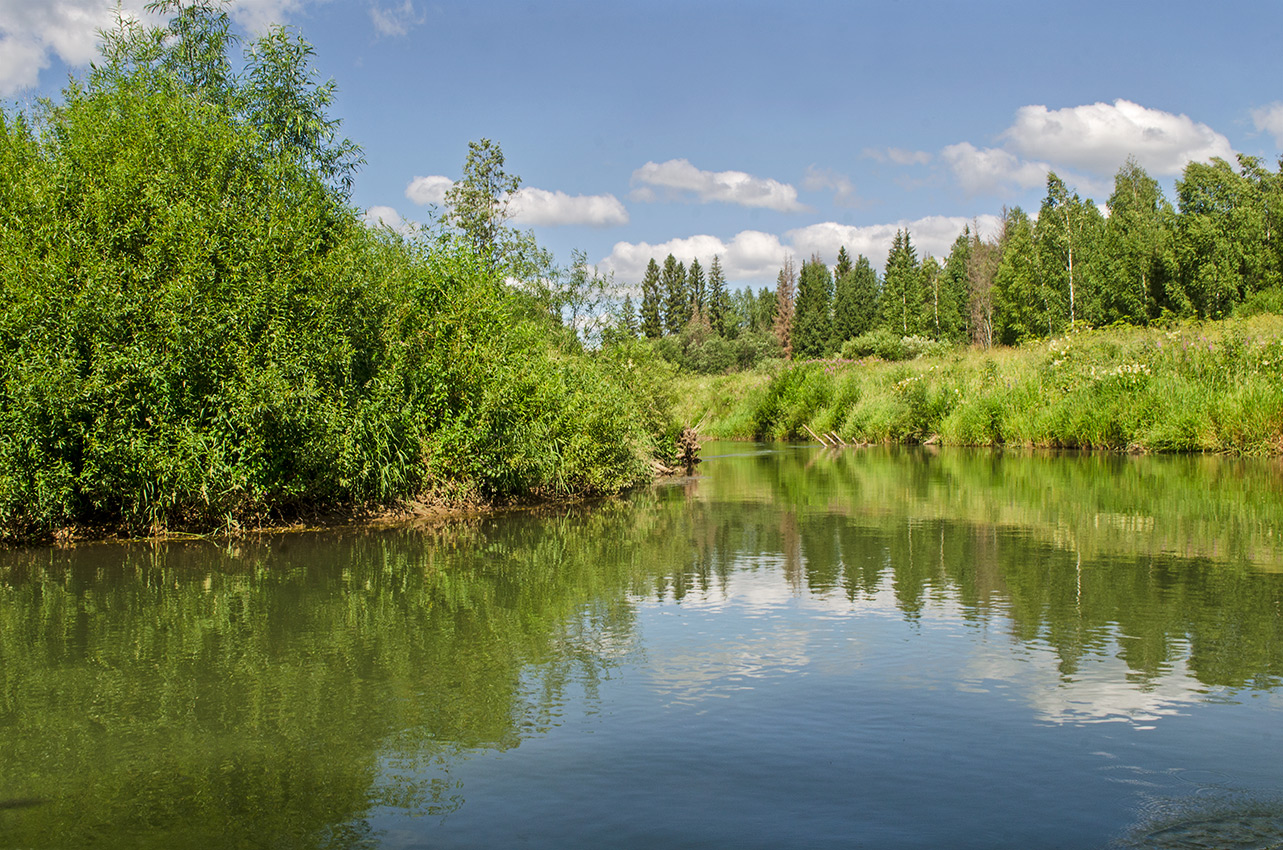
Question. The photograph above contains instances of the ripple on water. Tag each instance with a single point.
(1212, 821)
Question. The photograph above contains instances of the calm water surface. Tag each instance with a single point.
(797, 648)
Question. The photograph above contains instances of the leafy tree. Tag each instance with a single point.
(1227, 241)
(1138, 247)
(717, 298)
(1020, 307)
(288, 108)
(813, 322)
(676, 299)
(785, 294)
(932, 280)
(651, 323)
(901, 299)
(950, 292)
(855, 305)
(1066, 236)
(983, 260)
(478, 203)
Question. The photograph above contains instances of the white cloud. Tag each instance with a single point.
(380, 216)
(428, 190)
(982, 171)
(898, 156)
(1097, 138)
(33, 31)
(257, 15)
(750, 255)
(931, 235)
(539, 207)
(819, 179)
(756, 257)
(680, 178)
(1270, 119)
(533, 207)
(395, 20)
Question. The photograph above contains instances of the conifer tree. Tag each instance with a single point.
(629, 318)
(812, 322)
(855, 305)
(785, 293)
(843, 266)
(717, 297)
(676, 302)
(695, 289)
(651, 323)
(902, 287)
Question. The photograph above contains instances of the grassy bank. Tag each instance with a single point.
(1204, 387)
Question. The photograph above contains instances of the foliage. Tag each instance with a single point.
(197, 331)
(813, 320)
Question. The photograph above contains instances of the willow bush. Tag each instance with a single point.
(196, 329)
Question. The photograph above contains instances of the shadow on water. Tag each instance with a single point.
(276, 693)
(1209, 821)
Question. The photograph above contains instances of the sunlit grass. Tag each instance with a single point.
(1203, 387)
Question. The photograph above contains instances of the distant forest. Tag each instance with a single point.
(1216, 253)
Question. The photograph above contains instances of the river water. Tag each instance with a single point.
(882, 648)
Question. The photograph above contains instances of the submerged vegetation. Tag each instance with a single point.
(1215, 387)
(198, 331)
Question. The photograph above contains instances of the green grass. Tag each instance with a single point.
(1197, 387)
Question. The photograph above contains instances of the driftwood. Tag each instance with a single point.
(688, 449)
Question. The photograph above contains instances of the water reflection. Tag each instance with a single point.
(297, 691)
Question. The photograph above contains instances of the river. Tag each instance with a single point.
(797, 647)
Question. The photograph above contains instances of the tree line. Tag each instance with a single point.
(1215, 252)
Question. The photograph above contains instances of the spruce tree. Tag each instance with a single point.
(902, 288)
(672, 282)
(812, 323)
(717, 297)
(628, 321)
(843, 266)
(855, 306)
(695, 289)
(785, 293)
(651, 323)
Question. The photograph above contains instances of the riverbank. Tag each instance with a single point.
(1192, 387)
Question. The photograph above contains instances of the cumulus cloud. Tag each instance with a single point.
(380, 216)
(1097, 138)
(539, 207)
(898, 156)
(395, 20)
(756, 257)
(931, 235)
(533, 207)
(1270, 119)
(678, 178)
(982, 171)
(750, 255)
(820, 179)
(33, 31)
(428, 190)
(257, 15)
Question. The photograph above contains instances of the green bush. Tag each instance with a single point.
(885, 345)
(197, 331)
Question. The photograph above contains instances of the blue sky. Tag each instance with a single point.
(754, 129)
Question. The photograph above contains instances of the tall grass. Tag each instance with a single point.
(1214, 387)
